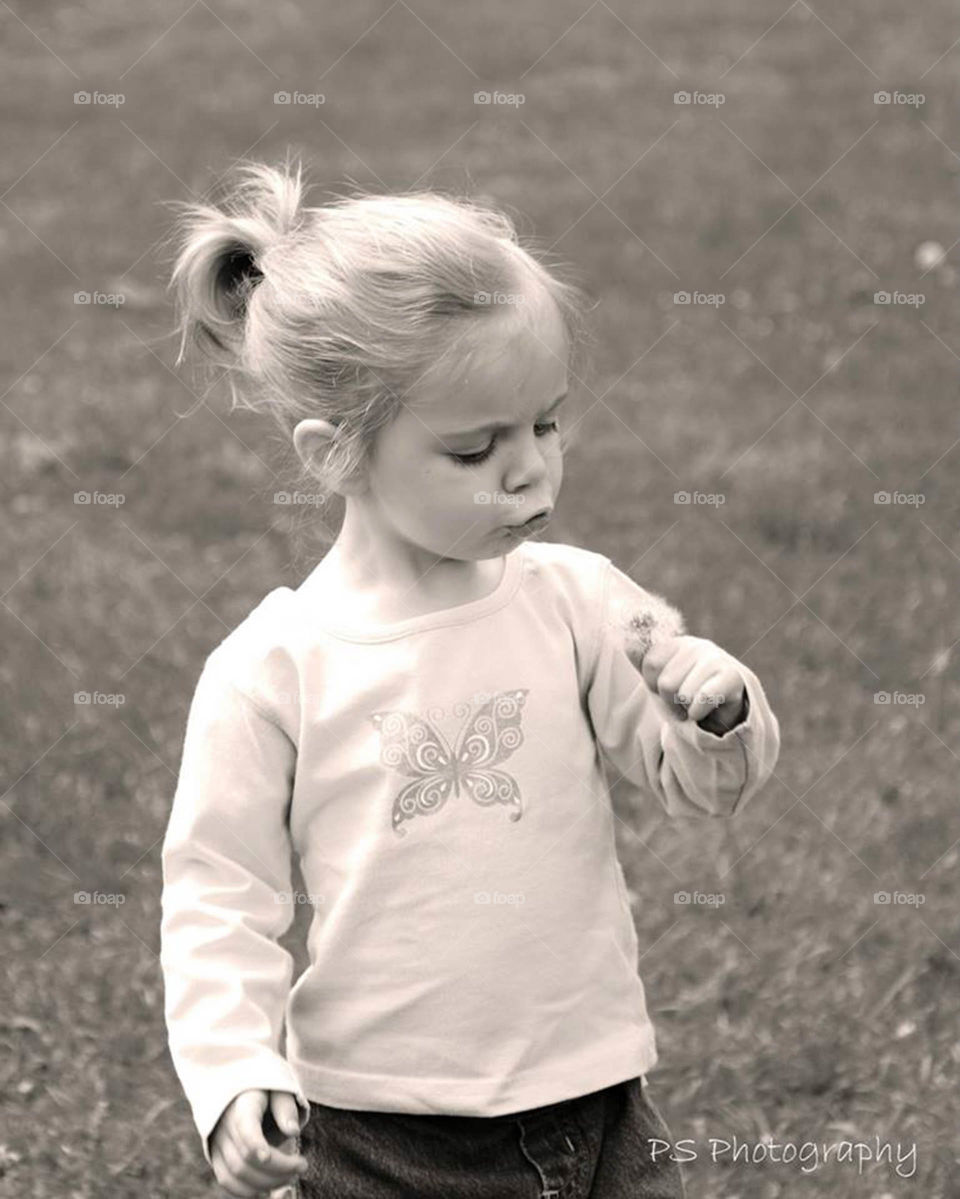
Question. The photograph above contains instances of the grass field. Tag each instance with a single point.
(800, 1009)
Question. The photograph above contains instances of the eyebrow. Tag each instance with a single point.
(497, 426)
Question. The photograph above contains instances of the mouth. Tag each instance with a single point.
(537, 522)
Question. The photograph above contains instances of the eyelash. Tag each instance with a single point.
(476, 459)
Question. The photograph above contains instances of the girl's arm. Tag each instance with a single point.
(226, 899)
(691, 770)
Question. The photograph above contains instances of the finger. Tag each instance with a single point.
(706, 694)
(247, 1127)
(252, 1150)
(661, 651)
(267, 1163)
(285, 1112)
(676, 672)
(226, 1169)
(260, 1175)
(657, 659)
(731, 692)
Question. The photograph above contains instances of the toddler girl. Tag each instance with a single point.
(425, 721)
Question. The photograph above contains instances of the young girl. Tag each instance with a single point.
(424, 722)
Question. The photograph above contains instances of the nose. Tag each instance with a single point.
(527, 466)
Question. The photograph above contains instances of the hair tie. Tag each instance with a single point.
(239, 275)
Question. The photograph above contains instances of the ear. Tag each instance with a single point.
(312, 440)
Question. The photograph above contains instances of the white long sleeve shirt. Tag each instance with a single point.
(441, 779)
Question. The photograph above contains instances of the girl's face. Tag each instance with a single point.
(444, 482)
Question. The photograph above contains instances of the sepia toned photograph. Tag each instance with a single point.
(481, 562)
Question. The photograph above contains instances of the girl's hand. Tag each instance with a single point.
(244, 1163)
(699, 678)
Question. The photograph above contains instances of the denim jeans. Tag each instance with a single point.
(594, 1146)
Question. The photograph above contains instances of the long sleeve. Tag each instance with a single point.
(226, 856)
(691, 771)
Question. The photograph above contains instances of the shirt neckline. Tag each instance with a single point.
(370, 631)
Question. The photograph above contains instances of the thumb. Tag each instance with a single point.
(285, 1112)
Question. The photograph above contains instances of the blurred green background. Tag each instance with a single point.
(801, 1009)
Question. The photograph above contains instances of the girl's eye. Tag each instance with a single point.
(483, 455)
(474, 459)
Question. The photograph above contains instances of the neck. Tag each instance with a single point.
(373, 558)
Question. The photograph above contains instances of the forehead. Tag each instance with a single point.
(506, 368)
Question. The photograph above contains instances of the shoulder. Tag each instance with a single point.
(568, 581)
(602, 600)
(571, 567)
(260, 657)
(595, 583)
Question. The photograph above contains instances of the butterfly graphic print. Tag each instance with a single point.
(412, 745)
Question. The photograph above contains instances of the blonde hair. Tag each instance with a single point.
(335, 312)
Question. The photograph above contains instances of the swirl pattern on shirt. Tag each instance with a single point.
(412, 745)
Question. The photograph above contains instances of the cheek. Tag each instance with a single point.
(464, 494)
(444, 492)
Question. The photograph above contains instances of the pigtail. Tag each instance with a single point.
(222, 252)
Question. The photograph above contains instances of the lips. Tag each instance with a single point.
(538, 518)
